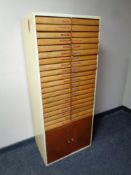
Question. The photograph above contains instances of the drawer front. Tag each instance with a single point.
(84, 40)
(84, 46)
(82, 78)
(45, 42)
(84, 73)
(55, 78)
(84, 57)
(85, 52)
(89, 22)
(83, 28)
(54, 66)
(81, 108)
(56, 28)
(55, 72)
(55, 54)
(82, 92)
(82, 114)
(82, 104)
(82, 88)
(82, 83)
(57, 142)
(54, 83)
(85, 34)
(81, 133)
(52, 20)
(54, 35)
(76, 69)
(83, 100)
(54, 60)
(78, 97)
(83, 63)
(54, 48)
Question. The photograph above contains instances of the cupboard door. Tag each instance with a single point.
(58, 143)
(81, 133)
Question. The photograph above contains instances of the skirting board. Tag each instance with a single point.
(32, 139)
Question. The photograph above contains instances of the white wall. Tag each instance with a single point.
(15, 112)
(127, 91)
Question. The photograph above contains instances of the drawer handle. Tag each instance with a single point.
(72, 139)
(68, 141)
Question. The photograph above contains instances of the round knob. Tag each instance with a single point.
(72, 139)
(68, 141)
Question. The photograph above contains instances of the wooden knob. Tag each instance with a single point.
(72, 139)
(68, 141)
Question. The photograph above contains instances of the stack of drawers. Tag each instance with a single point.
(68, 49)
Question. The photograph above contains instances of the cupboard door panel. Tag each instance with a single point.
(84, 73)
(81, 133)
(57, 142)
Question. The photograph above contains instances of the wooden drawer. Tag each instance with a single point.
(85, 34)
(83, 100)
(52, 20)
(56, 77)
(89, 22)
(82, 114)
(81, 88)
(83, 63)
(85, 52)
(83, 68)
(54, 48)
(82, 83)
(83, 28)
(85, 73)
(84, 46)
(54, 66)
(54, 60)
(65, 111)
(87, 57)
(55, 93)
(57, 107)
(82, 78)
(57, 142)
(82, 92)
(51, 28)
(78, 97)
(81, 133)
(55, 35)
(55, 72)
(81, 109)
(54, 83)
(84, 40)
(55, 103)
(83, 104)
(55, 88)
(45, 42)
(55, 54)
(56, 98)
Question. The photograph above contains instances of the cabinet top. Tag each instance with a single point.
(64, 15)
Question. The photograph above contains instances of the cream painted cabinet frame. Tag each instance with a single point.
(62, 62)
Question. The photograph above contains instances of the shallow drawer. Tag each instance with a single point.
(83, 100)
(56, 77)
(82, 83)
(85, 52)
(84, 104)
(81, 88)
(59, 102)
(78, 97)
(57, 107)
(55, 88)
(55, 28)
(84, 113)
(53, 48)
(55, 93)
(54, 60)
(87, 57)
(55, 72)
(83, 68)
(55, 98)
(54, 83)
(84, 46)
(85, 28)
(92, 22)
(84, 40)
(80, 109)
(85, 73)
(85, 34)
(52, 20)
(63, 111)
(82, 92)
(83, 63)
(54, 66)
(45, 42)
(53, 34)
(82, 78)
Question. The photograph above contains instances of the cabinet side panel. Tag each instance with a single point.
(34, 83)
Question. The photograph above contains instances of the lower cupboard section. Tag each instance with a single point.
(68, 138)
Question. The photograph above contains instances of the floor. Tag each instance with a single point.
(110, 153)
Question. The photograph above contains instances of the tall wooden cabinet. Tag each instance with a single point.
(62, 56)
